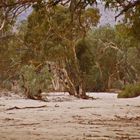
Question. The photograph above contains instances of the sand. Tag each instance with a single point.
(69, 118)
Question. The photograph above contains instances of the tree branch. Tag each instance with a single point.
(28, 107)
(130, 5)
(2, 25)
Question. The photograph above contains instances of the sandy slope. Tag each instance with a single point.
(68, 118)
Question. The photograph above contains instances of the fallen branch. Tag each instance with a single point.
(28, 107)
(29, 124)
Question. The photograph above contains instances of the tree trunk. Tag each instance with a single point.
(74, 76)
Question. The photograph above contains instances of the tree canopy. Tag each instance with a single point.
(10, 9)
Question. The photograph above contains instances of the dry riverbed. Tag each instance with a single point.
(68, 118)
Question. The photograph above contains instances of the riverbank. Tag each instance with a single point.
(68, 118)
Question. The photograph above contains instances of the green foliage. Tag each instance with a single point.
(118, 85)
(108, 58)
(34, 80)
(130, 91)
(6, 85)
(96, 59)
(50, 32)
(9, 58)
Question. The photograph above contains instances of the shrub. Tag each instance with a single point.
(130, 91)
(34, 81)
(117, 84)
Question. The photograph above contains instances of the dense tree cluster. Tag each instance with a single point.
(87, 58)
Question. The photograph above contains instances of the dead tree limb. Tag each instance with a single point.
(28, 107)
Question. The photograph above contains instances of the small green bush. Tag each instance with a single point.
(35, 81)
(130, 91)
(6, 85)
(117, 85)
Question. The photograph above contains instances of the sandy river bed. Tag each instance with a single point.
(68, 118)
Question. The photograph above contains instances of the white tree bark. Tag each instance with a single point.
(2, 25)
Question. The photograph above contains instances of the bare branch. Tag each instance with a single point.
(28, 107)
(130, 5)
(18, 2)
(2, 25)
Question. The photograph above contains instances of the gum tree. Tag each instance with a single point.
(54, 37)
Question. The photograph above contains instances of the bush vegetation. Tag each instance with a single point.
(34, 82)
(130, 91)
